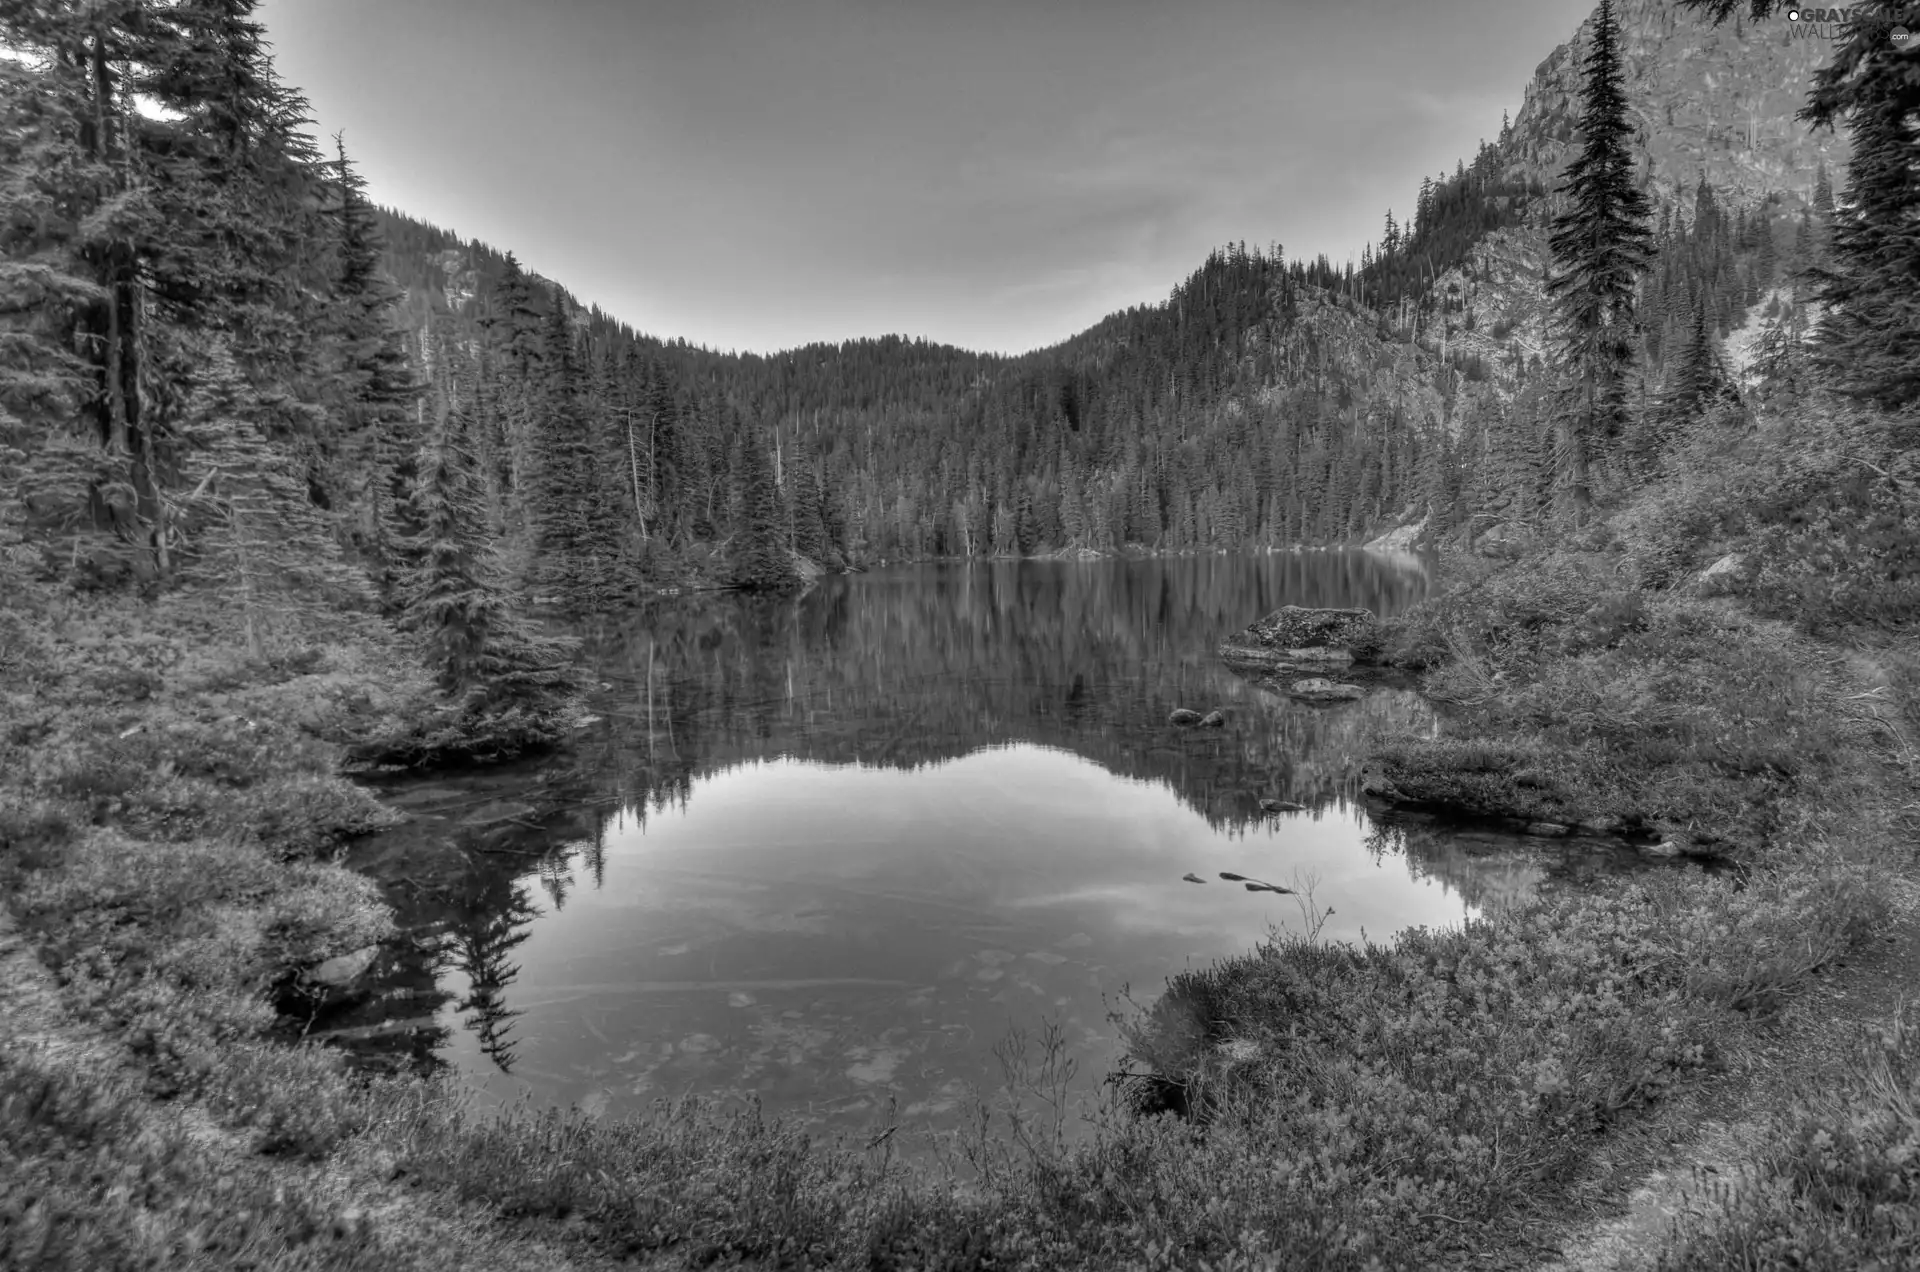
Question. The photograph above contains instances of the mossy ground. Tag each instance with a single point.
(1442, 1099)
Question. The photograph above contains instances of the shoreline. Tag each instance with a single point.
(194, 1050)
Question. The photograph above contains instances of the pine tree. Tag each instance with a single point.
(810, 538)
(258, 540)
(80, 217)
(1869, 340)
(1698, 379)
(1599, 246)
(564, 467)
(477, 646)
(759, 557)
(1868, 344)
(373, 375)
(1780, 360)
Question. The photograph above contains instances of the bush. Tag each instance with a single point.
(1838, 1180)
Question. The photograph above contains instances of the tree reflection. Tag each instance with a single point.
(929, 664)
(479, 949)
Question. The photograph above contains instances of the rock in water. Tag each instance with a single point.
(1212, 720)
(1184, 718)
(1318, 635)
(1318, 689)
(344, 969)
(1191, 877)
(1281, 806)
(1374, 781)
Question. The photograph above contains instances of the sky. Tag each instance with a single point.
(994, 174)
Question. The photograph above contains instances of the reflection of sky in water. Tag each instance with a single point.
(827, 936)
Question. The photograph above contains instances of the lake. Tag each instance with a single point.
(828, 850)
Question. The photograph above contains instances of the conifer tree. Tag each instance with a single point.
(374, 376)
(1599, 244)
(759, 557)
(1868, 344)
(1698, 379)
(1780, 359)
(475, 643)
(258, 540)
(1869, 341)
(563, 463)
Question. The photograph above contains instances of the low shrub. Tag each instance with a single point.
(89, 1182)
(1837, 1184)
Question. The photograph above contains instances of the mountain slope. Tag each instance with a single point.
(1266, 401)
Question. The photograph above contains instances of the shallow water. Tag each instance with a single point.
(828, 851)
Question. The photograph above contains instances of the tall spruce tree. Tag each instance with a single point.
(1599, 244)
(257, 539)
(1869, 341)
(759, 556)
(474, 641)
(373, 375)
(1698, 379)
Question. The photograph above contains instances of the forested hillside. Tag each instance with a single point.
(1266, 401)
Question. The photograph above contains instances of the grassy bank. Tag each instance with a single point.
(167, 829)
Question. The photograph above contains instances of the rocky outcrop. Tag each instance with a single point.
(1722, 572)
(1296, 635)
(1320, 689)
(1399, 539)
(1505, 541)
(1703, 98)
(343, 970)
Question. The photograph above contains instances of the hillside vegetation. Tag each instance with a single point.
(287, 477)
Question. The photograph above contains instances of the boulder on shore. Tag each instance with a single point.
(1320, 689)
(343, 969)
(1310, 635)
(1504, 541)
(1722, 572)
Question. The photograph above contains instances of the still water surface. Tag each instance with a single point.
(828, 850)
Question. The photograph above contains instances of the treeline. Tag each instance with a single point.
(222, 363)
(203, 386)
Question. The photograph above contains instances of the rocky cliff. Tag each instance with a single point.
(1719, 100)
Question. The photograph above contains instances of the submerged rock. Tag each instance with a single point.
(1184, 718)
(1374, 781)
(1320, 689)
(499, 810)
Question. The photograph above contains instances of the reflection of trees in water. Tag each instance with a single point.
(929, 664)
(461, 902)
(479, 948)
(898, 669)
(1490, 870)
